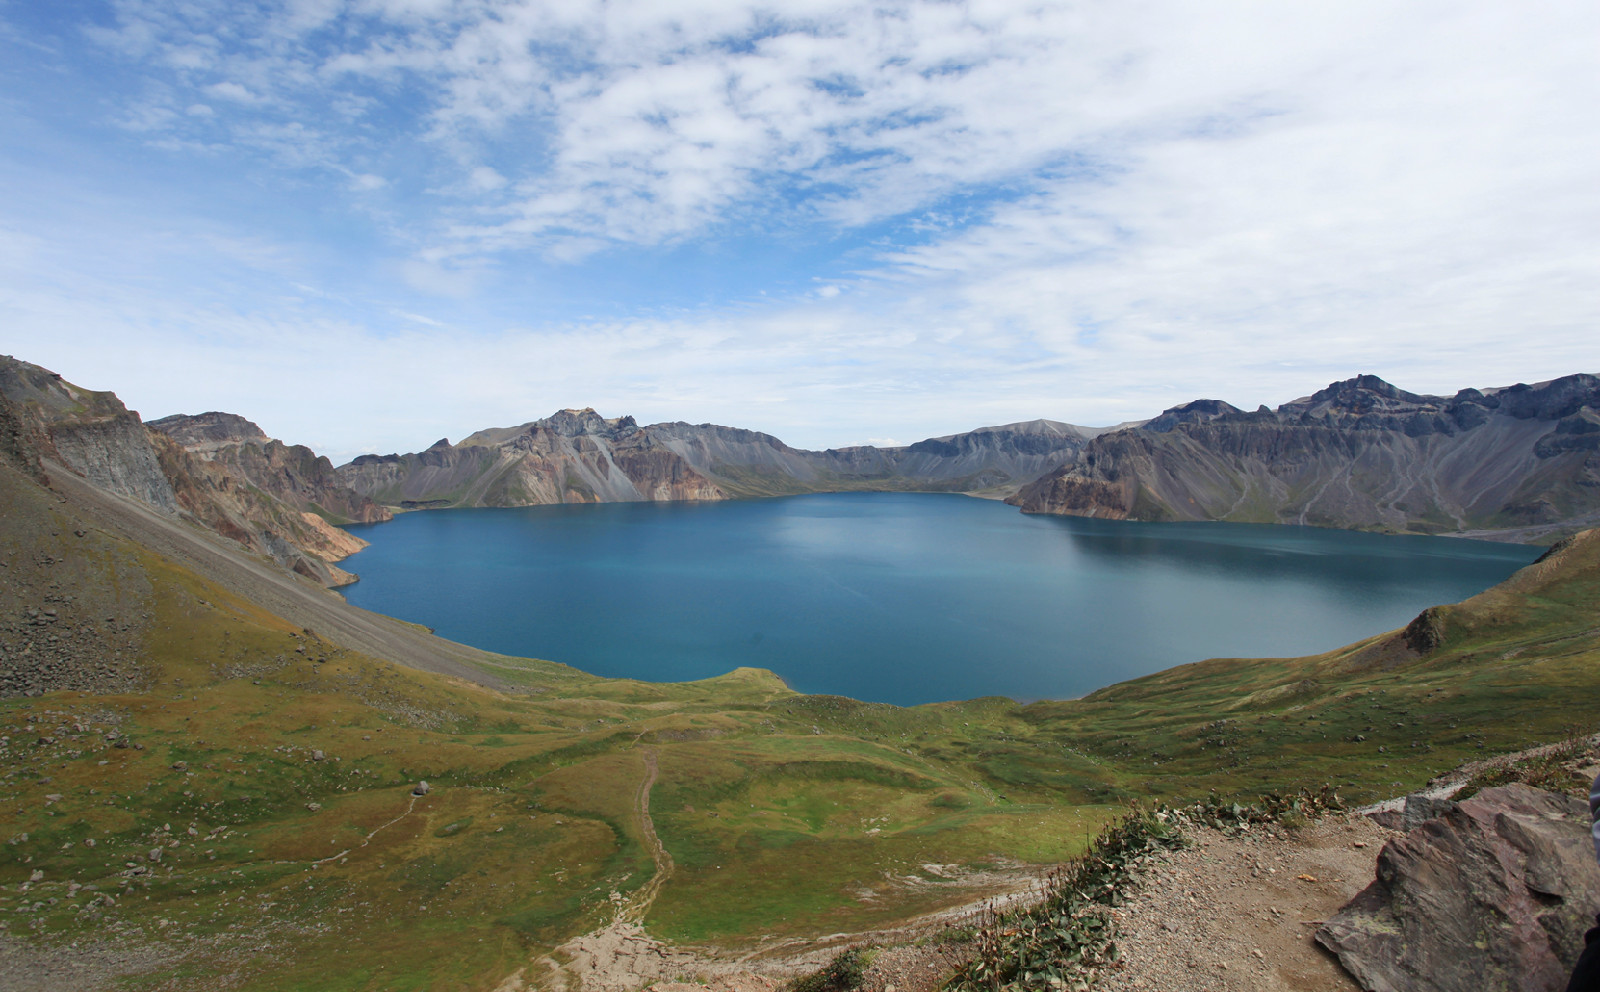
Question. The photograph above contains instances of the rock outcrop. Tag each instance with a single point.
(580, 456)
(1494, 894)
(292, 473)
(1359, 454)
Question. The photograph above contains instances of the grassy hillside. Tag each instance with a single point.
(233, 806)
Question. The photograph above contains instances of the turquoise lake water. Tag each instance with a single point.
(900, 598)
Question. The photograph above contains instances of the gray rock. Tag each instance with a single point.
(420, 790)
(155, 854)
(1419, 809)
(317, 756)
(1494, 894)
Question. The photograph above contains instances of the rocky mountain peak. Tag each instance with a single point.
(205, 433)
(1195, 412)
(1360, 396)
(573, 423)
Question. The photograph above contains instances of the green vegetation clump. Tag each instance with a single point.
(843, 974)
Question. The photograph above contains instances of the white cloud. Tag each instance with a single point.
(485, 179)
(229, 90)
(1085, 212)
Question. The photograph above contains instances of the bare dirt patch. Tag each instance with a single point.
(1238, 913)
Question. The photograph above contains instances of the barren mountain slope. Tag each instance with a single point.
(217, 469)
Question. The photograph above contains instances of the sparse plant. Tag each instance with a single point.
(843, 974)
(1066, 938)
(1550, 770)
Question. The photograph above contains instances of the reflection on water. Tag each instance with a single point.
(899, 597)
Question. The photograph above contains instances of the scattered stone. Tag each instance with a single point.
(313, 807)
(317, 756)
(180, 766)
(155, 854)
(421, 789)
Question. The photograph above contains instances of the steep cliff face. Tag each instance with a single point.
(235, 508)
(90, 433)
(276, 499)
(579, 456)
(292, 473)
(1359, 454)
(576, 456)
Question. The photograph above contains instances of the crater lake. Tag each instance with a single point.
(899, 597)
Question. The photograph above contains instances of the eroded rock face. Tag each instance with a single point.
(89, 432)
(1494, 894)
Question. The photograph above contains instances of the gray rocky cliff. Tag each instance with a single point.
(91, 433)
(580, 456)
(1358, 454)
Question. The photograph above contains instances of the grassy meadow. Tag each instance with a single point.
(248, 812)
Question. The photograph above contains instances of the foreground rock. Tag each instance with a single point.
(1494, 894)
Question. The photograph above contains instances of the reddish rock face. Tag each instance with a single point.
(1496, 893)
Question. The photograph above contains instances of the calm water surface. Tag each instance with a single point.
(901, 598)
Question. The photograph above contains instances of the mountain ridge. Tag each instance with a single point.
(1360, 454)
(581, 456)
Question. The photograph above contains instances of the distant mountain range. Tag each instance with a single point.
(1359, 454)
(1518, 463)
(578, 456)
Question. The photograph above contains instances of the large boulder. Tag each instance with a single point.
(1493, 894)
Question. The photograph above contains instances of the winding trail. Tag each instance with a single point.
(621, 955)
(635, 908)
(368, 839)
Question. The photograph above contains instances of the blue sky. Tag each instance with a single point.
(369, 223)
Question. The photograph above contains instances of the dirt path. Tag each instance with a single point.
(636, 907)
(368, 839)
(1236, 914)
(621, 955)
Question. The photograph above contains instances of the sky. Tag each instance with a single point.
(368, 224)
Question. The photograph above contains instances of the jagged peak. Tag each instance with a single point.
(1361, 394)
(1193, 412)
(571, 423)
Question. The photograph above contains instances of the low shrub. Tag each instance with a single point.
(842, 974)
